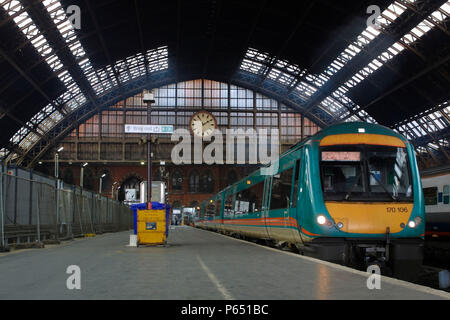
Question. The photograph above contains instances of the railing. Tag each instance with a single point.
(35, 209)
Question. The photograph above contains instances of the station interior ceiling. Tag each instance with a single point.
(318, 58)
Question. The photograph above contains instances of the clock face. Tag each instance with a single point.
(203, 124)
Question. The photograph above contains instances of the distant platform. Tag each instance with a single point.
(196, 265)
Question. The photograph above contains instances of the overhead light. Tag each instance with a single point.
(142, 163)
(85, 165)
(40, 162)
(60, 149)
(104, 175)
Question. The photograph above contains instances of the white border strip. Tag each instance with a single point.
(214, 280)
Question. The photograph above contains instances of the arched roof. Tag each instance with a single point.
(316, 56)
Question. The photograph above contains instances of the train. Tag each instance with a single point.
(351, 194)
(436, 189)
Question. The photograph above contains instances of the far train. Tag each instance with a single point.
(436, 188)
(351, 194)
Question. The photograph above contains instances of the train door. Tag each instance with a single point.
(266, 205)
(283, 203)
(292, 211)
(300, 198)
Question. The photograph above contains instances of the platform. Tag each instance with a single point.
(197, 264)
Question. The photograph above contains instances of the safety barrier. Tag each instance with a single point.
(36, 209)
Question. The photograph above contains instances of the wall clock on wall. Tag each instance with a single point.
(203, 124)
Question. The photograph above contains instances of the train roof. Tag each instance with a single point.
(350, 127)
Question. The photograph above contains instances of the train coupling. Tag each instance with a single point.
(374, 255)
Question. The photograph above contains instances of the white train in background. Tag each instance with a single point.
(436, 189)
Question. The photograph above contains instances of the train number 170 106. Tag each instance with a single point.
(397, 210)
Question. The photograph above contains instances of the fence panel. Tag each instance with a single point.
(34, 208)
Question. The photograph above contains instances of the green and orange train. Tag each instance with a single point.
(350, 194)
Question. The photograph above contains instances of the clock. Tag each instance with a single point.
(203, 124)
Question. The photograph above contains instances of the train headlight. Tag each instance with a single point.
(321, 220)
(340, 225)
(418, 220)
(412, 224)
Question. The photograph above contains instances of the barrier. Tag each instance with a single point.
(35, 208)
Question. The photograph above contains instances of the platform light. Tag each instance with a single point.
(85, 165)
(321, 220)
(104, 175)
(412, 224)
(60, 149)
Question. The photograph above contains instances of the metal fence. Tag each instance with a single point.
(35, 208)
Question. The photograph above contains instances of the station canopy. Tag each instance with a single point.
(318, 57)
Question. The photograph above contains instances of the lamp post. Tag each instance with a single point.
(57, 162)
(100, 185)
(112, 191)
(149, 98)
(58, 186)
(82, 175)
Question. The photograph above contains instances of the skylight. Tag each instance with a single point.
(428, 123)
(388, 16)
(71, 99)
(414, 35)
(101, 80)
(286, 74)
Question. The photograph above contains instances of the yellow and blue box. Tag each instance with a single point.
(151, 227)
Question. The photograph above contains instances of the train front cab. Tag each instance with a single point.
(366, 202)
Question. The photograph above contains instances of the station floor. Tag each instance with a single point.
(197, 265)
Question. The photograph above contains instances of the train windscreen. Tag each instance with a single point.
(366, 173)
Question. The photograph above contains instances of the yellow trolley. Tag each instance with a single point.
(151, 227)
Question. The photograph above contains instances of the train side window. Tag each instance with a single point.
(446, 194)
(281, 190)
(431, 196)
(229, 206)
(210, 210)
(249, 200)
